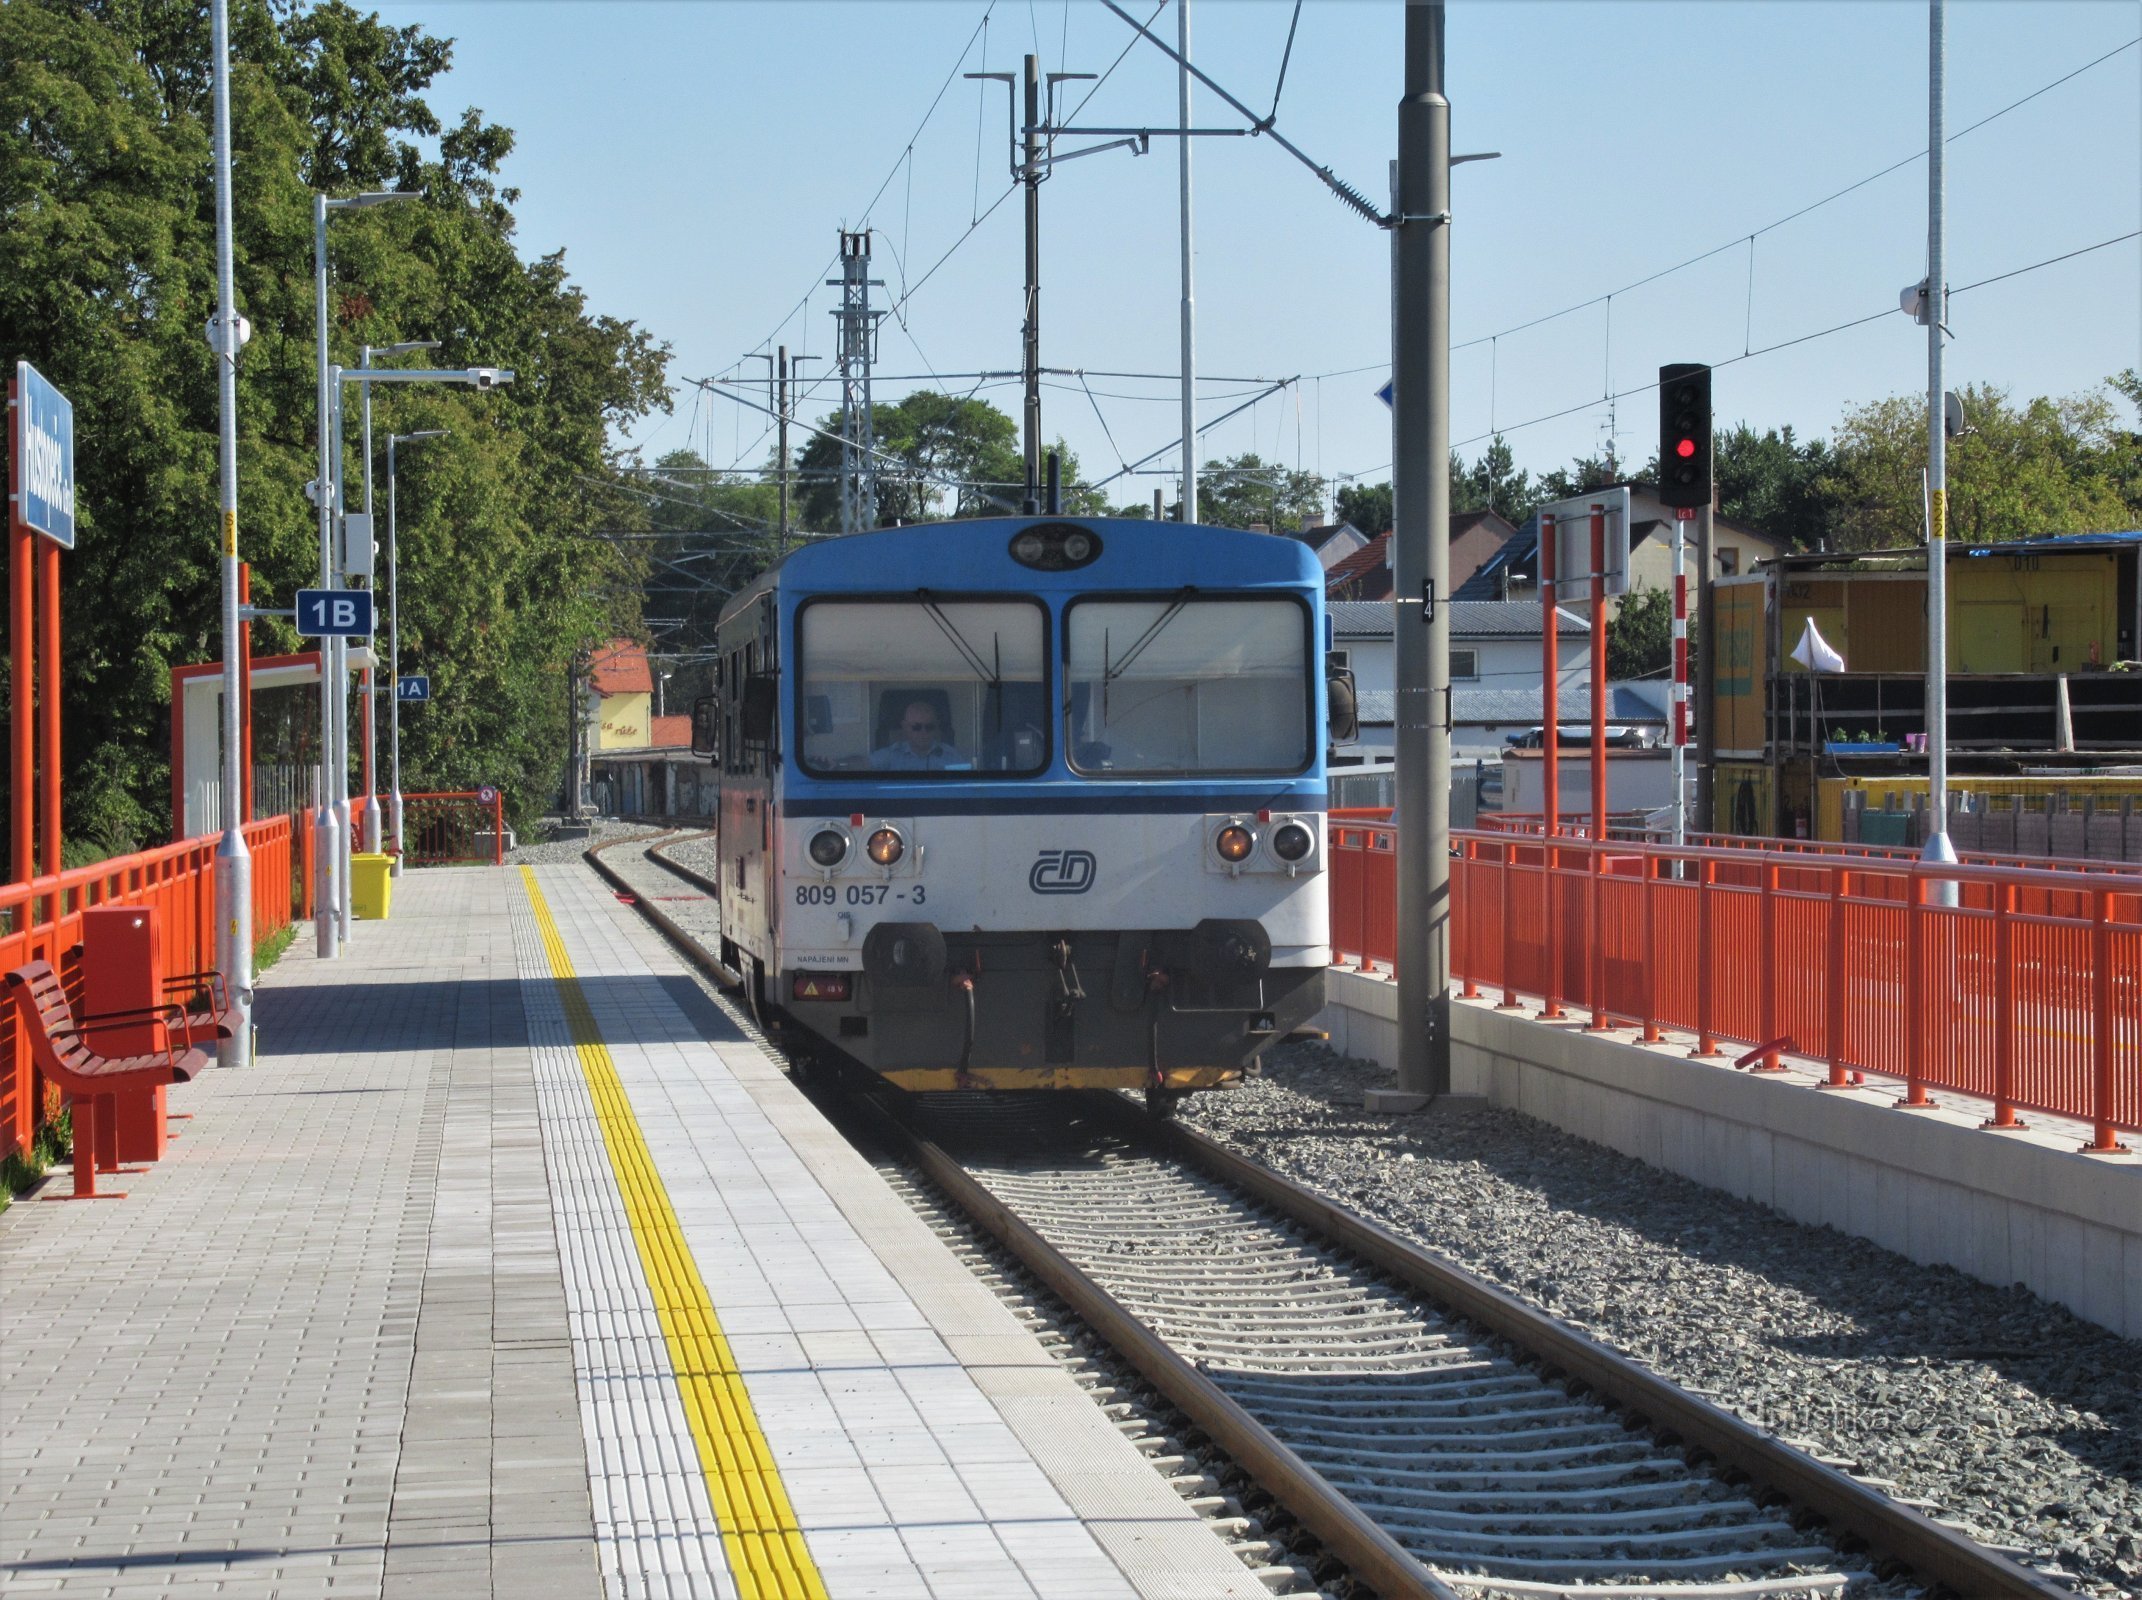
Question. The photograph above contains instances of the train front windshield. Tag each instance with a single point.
(1188, 684)
(924, 686)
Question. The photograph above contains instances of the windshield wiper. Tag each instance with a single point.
(990, 672)
(1109, 674)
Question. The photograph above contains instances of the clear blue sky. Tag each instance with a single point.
(695, 160)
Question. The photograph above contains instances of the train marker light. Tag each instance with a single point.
(1235, 842)
(1292, 842)
(886, 846)
(829, 847)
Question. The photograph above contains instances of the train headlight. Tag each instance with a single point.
(1028, 549)
(886, 846)
(1234, 842)
(1078, 546)
(829, 847)
(1292, 842)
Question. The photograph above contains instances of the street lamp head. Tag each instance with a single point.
(406, 347)
(421, 433)
(489, 377)
(373, 197)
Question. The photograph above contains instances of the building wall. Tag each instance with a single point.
(1502, 662)
(625, 722)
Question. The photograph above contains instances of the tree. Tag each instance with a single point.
(106, 280)
(940, 455)
(1772, 483)
(1640, 634)
(1493, 483)
(1248, 491)
(1367, 506)
(2048, 466)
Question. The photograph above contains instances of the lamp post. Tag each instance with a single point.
(234, 861)
(371, 740)
(365, 377)
(331, 832)
(394, 648)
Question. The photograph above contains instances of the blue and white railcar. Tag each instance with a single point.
(1029, 802)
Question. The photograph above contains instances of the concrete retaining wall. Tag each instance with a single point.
(2022, 1207)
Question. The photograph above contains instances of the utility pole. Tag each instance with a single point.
(1421, 506)
(1706, 673)
(858, 348)
(234, 860)
(1936, 303)
(1031, 334)
(1189, 318)
(781, 406)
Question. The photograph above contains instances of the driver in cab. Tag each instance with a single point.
(919, 747)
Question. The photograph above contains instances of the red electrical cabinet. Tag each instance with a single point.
(122, 966)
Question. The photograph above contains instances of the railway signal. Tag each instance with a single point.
(1685, 434)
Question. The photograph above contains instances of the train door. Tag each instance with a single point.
(750, 755)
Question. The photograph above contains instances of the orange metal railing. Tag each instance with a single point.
(42, 920)
(2026, 992)
(463, 827)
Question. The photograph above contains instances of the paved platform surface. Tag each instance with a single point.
(401, 1315)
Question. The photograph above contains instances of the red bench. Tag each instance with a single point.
(60, 1048)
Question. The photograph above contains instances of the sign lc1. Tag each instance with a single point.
(42, 445)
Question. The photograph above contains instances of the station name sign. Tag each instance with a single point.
(41, 450)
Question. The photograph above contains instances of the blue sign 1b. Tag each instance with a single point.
(344, 613)
(42, 447)
(413, 688)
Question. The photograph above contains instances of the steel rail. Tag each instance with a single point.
(1931, 1549)
(1345, 1530)
(691, 949)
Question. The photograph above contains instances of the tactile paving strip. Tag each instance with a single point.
(681, 1472)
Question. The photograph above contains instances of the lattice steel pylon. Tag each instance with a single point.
(858, 349)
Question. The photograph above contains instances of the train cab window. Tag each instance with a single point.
(1187, 684)
(928, 685)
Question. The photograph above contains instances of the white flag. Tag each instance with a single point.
(1814, 653)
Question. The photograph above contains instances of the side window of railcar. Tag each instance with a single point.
(1187, 684)
(923, 686)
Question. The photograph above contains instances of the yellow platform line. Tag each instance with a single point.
(758, 1525)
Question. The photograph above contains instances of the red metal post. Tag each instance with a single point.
(1648, 861)
(1470, 907)
(498, 828)
(1706, 875)
(1550, 771)
(1840, 886)
(1768, 983)
(2101, 1136)
(245, 697)
(2004, 1008)
(1914, 994)
(1508, 847)
(1595, 864)
(48, 713)
(22, 743)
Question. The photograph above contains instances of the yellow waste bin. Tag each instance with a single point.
(371, 884)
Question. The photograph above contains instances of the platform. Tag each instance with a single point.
(512, 1269)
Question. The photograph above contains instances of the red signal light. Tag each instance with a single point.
(1685, 449)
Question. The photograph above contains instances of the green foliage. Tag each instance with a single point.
(1773, 483)
(1246, 490)
(1367, 507)
(1640, 634)
(53, 1143)
(2046, 467)
(948, 457)
(106, 279)
(1493, 483)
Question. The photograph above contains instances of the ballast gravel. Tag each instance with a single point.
(543, 847)
(1998, 1411)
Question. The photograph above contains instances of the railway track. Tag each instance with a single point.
(1434, 1433)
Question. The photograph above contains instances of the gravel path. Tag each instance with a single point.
(540, 849)
(2011, 1416)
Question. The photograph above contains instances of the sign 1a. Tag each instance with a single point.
(343, 613)
(413, 688)
(41, 443)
